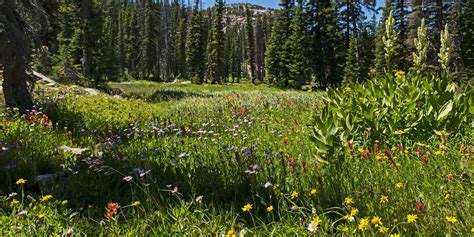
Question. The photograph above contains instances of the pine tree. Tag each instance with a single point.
(250, 37)
(468, 38)
(215, 50)
(352, 15)
(352, 66)
(300, 67)
(195, 46)
(180, 48)
(278, 50)
(326, 48)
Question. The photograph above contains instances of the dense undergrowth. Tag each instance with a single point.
(192, 160)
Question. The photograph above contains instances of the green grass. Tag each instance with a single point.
(226, 144)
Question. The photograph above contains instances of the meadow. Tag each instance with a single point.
(142, 158)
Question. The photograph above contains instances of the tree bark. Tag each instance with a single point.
(14, 55)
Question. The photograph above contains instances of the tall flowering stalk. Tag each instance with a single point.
(445, 52)
(389, 41)
(421, 45)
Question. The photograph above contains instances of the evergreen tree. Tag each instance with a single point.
(352, 66)
(468, 38)
(300, 67)
(180, 48)
(195, 46)
(326, 48)
(215, 50)
(250, 36)
(278, 52)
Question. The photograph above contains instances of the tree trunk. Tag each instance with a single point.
(15, 88)
(14, 54)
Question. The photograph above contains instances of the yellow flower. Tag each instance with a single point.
(21, 181)
(399, 74)
(136, 203)
(46, 198)
(313, 191)
(316, 220)
(411, 218)
(395, 235)
(14, 202)
(230, 233)
(247, 207)
(399, 185)
(361, 150)
(348, 200)
(472, 230)
(354, 211)
(378, 156)
(347, 89)
(376, 220)
(383, 199)
(294, 195)
(270, 209)
(40, 216)
(451, 219)
(437, 153)
(382, 229)
(363, 224)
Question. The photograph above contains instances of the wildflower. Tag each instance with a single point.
(382, 229)
(450, 177)
(383, 199)
(267, 185)
(376, 220)
(136, 203)
(199, 199)
(394, 235)
(23, 213)
(420, 206)
(46, 198)
(230, 233)
(472, 230)
(411, 218)
(313, 191)
(21, 181)
(14, 202)
(399, 74)
(313, 227)
(111, 209)
(12, 195)
(41, 216)
(349, 218)
(270, 209)
(247, 207)
(451, 219)
(378, 156)
(128, 178)
(437, 153)
(347, 90)
(399, 185)
(348, 200)
(354, 211)
(294, 195)
(363, 224)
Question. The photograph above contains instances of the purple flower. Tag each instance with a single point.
(128, 178)
(143, 173)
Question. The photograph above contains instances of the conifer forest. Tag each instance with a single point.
(215, 118)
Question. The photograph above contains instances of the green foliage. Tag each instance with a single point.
(352, 65)
(388, 108)
(215, 46)
(195, 46)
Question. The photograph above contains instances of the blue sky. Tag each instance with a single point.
(264, 3)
